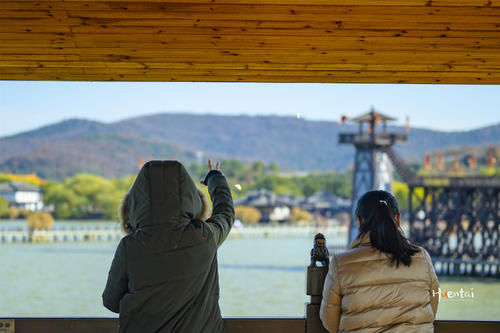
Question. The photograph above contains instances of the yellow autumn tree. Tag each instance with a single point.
(300, 215)
(247, 214)
(40, 220)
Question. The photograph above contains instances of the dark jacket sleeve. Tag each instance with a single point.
(222, 218)
(117, 283)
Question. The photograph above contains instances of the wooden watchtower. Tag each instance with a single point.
(373, 167)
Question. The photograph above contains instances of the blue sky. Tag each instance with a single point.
(28, 105)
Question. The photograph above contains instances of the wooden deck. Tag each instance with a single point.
(233, 325)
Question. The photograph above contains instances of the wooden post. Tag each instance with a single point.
(315, 280)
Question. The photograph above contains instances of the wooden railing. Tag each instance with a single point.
(233, 325)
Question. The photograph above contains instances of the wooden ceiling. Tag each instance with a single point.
(372, 41)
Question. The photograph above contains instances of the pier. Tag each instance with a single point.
(106, 234)
(337, 234)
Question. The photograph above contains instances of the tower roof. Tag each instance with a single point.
(369, 116)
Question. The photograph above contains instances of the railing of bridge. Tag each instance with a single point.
(232, 325)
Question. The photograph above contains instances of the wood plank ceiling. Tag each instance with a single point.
(373, 41)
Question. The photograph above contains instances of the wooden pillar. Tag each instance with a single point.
(315, 280)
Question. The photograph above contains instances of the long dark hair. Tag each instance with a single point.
(377, 211)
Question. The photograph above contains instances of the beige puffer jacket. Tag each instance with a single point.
(364, 292)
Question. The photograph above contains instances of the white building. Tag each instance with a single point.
(22, 195)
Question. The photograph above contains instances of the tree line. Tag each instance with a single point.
(88, 196)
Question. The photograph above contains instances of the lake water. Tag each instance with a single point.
(258, 277)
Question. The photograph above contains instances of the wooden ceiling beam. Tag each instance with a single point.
(305, 58)
(400, 41)
(397, 3)
(425, 78)
(292, 68)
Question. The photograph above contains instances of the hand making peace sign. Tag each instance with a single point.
(217, 167)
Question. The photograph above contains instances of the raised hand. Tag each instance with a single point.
(210, 168)
(217, 165)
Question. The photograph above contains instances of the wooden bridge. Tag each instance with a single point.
(457, 219)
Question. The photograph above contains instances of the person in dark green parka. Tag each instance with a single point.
(164, 275)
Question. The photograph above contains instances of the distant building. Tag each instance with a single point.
(325, 203)
(273, 208)
(279, 207)
(22, 195)
(262, 199)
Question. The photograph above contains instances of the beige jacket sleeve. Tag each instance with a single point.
(434, 287)
(331, 303)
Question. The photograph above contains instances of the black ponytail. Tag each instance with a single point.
(377, 211)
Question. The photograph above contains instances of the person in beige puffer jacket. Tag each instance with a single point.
(382, 283)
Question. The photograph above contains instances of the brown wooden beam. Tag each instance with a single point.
(233, 325)
(367, 41)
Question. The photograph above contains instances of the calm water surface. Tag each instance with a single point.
(260, 277)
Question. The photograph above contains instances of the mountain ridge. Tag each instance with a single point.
(295, 144)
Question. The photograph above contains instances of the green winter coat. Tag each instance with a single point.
(164, 275)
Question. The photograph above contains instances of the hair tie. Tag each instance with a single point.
(384, 202)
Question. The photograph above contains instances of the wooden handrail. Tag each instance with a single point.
(233, 325)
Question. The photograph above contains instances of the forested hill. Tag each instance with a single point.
(113, 149)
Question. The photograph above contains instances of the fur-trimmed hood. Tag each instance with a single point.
(163, 192)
